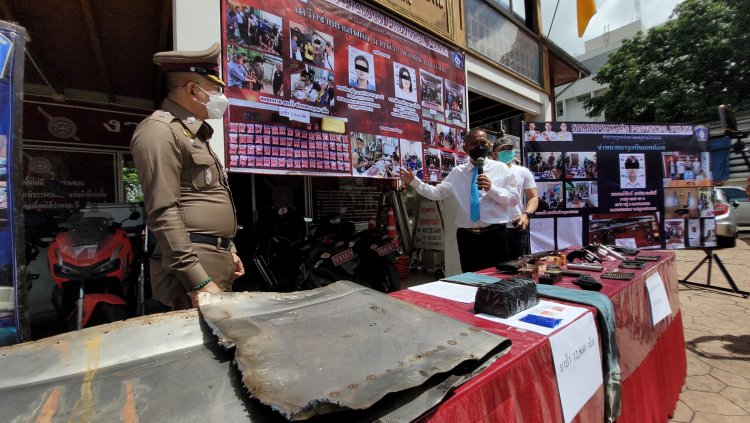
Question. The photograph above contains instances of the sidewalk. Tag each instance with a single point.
(717, 336)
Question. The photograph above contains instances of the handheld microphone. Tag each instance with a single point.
(480, 165)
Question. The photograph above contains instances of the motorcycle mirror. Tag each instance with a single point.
(135, 215)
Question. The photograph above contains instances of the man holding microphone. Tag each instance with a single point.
(486, 193)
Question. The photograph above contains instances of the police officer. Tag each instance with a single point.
(190, 208)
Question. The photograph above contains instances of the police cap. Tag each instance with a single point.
(203, 62)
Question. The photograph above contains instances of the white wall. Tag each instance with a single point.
(197, 25)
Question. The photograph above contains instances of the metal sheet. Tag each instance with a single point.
(341, 347)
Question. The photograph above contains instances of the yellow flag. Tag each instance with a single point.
(586, 9)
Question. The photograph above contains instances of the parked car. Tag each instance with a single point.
(737, 197)
(726, 220)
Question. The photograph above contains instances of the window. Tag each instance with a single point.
(560, 108)
(490, 33)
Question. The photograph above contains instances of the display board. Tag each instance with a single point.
(337, 88)
(12, 45)
(634, 185)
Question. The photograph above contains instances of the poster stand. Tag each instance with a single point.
(711, 256)
(415, 251)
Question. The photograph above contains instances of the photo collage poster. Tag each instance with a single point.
(337, 88)
(631, 185)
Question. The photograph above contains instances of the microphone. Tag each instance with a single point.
(480, 165)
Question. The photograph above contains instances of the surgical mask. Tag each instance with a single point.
(506, 156)
(217, 104)
(479, 151)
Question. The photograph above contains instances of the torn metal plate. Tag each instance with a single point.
(341, 347)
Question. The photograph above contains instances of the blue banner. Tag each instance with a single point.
(11, 237)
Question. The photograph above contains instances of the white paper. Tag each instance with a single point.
(626, 242)
(578, 364)
(657, 296)
(295, 114)
(449, 291)
(569, 230)
(545, 308)
(542, 233)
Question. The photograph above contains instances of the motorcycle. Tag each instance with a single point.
(367, 257)
(90, 263)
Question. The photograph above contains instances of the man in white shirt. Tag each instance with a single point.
(482, 240)
(549, 134)
(518, 229)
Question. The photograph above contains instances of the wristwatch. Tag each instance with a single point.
(528, 214)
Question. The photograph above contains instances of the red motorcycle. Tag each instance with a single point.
(90, 262)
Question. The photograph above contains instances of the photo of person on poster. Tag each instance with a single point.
(454, 103)
(428, 128)
(548, 134)
(531, 134)
(404, 82)
(361, 69)
(311, 46)
(432, 165)
(431, 92)
(254, 28)
(411, 156)
(632, 171)
(564, 134)
(312, 84)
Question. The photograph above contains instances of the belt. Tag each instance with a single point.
(477, 231)
(221, 243)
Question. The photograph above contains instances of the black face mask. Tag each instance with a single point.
(479, 151)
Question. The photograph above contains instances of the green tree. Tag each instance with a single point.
(682, 70)
(133, 192)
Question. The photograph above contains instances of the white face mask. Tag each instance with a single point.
(217, 104)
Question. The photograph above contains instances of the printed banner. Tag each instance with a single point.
(11, 230)
(633, 185)
(337, 88)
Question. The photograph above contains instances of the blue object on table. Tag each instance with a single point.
(535, 319)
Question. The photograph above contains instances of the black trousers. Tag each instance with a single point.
(479, 251)
(518, 242)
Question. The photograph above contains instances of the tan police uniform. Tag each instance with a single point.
(188, 203)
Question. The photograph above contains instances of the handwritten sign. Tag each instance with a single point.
(657, 296)
(295, 114)
(578, 364)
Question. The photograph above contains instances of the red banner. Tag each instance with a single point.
(334, 87)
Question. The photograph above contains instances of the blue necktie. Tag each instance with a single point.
(474, 202)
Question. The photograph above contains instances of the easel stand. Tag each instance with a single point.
(711, 256)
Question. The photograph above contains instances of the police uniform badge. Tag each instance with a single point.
(209, 176)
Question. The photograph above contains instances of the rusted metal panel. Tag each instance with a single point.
(341, 347)
(167, 368)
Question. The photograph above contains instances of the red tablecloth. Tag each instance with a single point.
(521, 386)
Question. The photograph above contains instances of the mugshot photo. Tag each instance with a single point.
(632, 171)
(361, 69)
(404, 81)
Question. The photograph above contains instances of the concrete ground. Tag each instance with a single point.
(717, 337)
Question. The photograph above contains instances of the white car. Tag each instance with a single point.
(737, 197)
